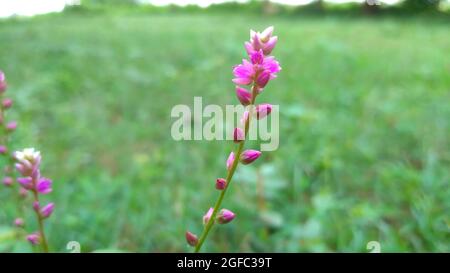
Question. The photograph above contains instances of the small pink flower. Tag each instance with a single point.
(244, 73)
(207, 216)
(230, 161)
(3, 149)
(11, 126)
(249, 156)
(44, 185)
(263, 110)
(225, 216)
(243, 96)
(191, 238)
(34, 238)
(19, 222)
(221, 183)
(8, 181)
(238, 135)
(7, 103)
(26, 182)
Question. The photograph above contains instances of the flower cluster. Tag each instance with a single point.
(256, 71)
(8, 128)
(28, 165)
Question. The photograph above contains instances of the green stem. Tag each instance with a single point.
(43, 239)
(229, 177)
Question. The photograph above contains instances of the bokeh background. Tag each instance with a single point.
(364, 98)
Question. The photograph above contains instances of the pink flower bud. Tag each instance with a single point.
(221, 183)
(263, 110)
(230, 161)
(19, 222)
(238, 135)
(3, 149)
(270, 45)
(225, 216)
(7, 103)
(11, 126)
(26, 182)
(36, 206)
(266, 34)
(207, 216)
(2, 82)
(243, 96)
(263, 78)
(8, 181)
(191, 238)
(244, 118)
(34, 238)
(44, 185)
(47, 210)
(23, 192)
(249, 156)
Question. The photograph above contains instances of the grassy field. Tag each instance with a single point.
(365, 132)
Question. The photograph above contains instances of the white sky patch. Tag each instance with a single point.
(33, 7)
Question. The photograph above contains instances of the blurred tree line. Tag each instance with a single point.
(268, 7)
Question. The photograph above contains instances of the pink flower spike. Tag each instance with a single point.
(207, 216)
(225, 216)
(3, 149)
(191, 238)
(8, 181)
(230, 161)
(238, 135)
(11, 126)
(19, 222)
(26, 182)
(34, 238)
(243, 95)
(7, 103)
(249, 156)
(263, 110)
(47, 210)
(44, 186)
(221, 183)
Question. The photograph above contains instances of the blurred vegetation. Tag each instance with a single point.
(364, 152)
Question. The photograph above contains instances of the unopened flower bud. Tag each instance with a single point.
(44, 185)
(263, 110)
(3, 149)
(191, 238)
(19, 222)
(47, 210)
(7, 103)
(34, 238)
(243, 96)
(11, 126)
(263, 78)
(8, 181)
(225, 216)
(207, 216)
(249, 156)
(230, 161)
(221, 183)
(238, 135)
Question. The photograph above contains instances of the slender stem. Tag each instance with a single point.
(41, 225)
(229, 177)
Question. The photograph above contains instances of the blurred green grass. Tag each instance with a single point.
(364, 152)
